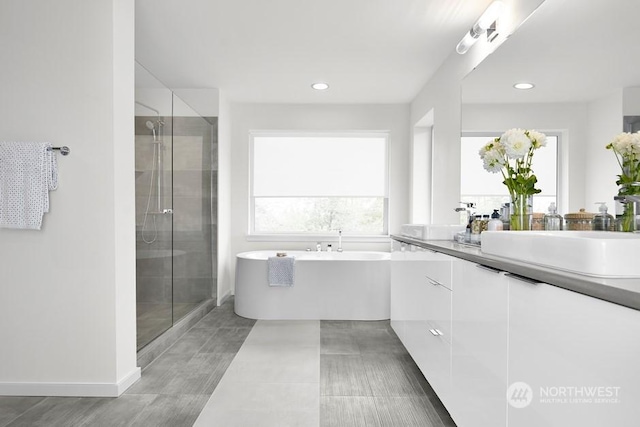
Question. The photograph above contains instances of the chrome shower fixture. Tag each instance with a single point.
(152, 127)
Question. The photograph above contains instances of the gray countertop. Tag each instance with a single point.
(620, 291)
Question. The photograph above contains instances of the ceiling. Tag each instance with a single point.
(573, 50)
(369, 51)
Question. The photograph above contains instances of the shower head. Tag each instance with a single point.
(152, 127)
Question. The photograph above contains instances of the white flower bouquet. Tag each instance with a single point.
(626, 147)
(512, 155)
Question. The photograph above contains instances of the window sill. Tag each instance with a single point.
(328, 238)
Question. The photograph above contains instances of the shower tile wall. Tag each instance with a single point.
(169, 287)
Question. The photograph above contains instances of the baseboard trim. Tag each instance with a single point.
(222, 299)
(70, 389)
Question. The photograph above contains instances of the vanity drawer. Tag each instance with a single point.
(438, 273)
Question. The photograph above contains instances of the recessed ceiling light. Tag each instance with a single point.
(524, 86)
(320, 86)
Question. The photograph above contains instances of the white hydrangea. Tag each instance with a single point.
(491, 146)
(626, 144)
(538, 139)
(516, 143)
(493, 156)
(493, 161)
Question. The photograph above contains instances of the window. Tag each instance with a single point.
(319, 183)
(487, 190)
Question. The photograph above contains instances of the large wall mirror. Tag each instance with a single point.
(582, 58)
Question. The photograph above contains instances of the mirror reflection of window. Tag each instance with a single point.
(487, 189)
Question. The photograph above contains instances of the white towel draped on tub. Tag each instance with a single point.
(28, 170)
(281, 270)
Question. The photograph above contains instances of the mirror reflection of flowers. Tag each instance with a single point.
(512, 154)
(626, 147)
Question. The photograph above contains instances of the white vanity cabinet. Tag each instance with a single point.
(421, 287)
(501, 350)
(479, 347)
(579, 355)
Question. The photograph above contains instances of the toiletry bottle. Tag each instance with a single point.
(603, 221)
(505, 216)
(552, 220)
(476, 225)
(476, 229)
(467, 231)
(496, 223)
(484, 225)
(329, 248)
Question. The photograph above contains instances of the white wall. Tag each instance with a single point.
(631, 101)
(226, 258)
(67, 292)
(206, 102)
(570, 120)
(421, 176)
(442, 95)
(247, 117)
(600, 165)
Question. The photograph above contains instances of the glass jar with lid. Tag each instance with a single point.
(537, 221)
(580, 221)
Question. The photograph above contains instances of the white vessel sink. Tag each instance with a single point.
(431, 231)
(593, 253)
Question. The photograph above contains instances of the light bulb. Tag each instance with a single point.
(489, 16)
(467, 42)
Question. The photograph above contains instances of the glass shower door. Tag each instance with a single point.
(176, 193)
(194, 189)
(154, 224)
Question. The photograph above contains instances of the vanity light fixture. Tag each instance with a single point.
(524, 86)
(484, 24)
(320, 86)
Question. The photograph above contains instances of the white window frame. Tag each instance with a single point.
(252, 235)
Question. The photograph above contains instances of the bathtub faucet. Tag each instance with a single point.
(339, 240)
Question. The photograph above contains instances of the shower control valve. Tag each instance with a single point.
(167, 211)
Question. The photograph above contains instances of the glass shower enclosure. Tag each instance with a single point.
(176, 188)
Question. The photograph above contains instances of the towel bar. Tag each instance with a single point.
(64, 150)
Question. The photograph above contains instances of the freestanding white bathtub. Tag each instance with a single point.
(328, 286)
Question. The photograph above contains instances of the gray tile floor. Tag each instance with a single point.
(366, 379)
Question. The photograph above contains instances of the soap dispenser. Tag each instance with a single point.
(496, 223)
(553, 220)
(603, 221)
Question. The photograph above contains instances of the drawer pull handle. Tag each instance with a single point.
(434, 282)
(523, 279)
(486, 267)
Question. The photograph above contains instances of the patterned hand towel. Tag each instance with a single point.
(281, 270)
(28, 170)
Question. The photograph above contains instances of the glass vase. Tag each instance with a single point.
(629, 196)
(521, 212)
